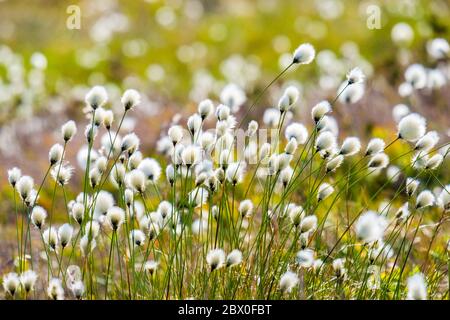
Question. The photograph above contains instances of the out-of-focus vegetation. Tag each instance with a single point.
(177, 53)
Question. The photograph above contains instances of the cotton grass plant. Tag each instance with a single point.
(231, 213)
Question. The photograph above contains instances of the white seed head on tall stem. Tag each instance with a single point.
(68, 130)
(130, 99)
(96, 97)
(412, 127)
(215, 259)
(304, 54)
(38, 216)
(425, 199)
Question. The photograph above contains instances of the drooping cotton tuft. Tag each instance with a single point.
(304, 54)
(96, 97)
(68, 130)
(425, 199)
(296, 131)
(355, 75)
(234, 258)
(130, 99)
(375, 145)
(350, 146)
(412, 127)
(215, 259)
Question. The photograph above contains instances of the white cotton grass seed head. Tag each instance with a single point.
(101, 164)
(320, 110)
(136, 180)
(305, 258)
(233, 96)
(339, 267)
(108, 119)
(194, 124)
(370, 227)
(288, 99)
(271, 117)
(291, 147)
(130, 99)
(215, 259)
(296, 131)
(295, 214)
(90, 132)
(416, 76)
(104, 201)
(246, 208)
(191, 155)
(198, 196)
(334, 163)
(402, 34)
(68, 130)
(400, 111)
(38, 216)
(411, 186)
(205, 108)
(350, 146)
(412, 127)
(87, 245)
(355, 75)
(416, 287)
(165, 209)
(98, 117)
(308, 224)
(170, 174)
(11, 283)
(234, 258)
(434, 161)
(14, 175)
(62, 173)
(235, 172)
(137, 237)
(288, 281)
(116, 216)
(50, 237)
(96, 97)
(325, 141)
(151, 168)
(65, 233)
(393, 173)
(28, 280)
(324, 191)
(222, 112)
(130, 143)
(304, 54)
(438, 48)
(351, 94)
(77, 289)
(55, 290)
(378, 161)
(425, 199)
(375, 145)
(55, 154)
(427, 142)
(77, 212)
(151, 266)
(252, 128)
(175, 134)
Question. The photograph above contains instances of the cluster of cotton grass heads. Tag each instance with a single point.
(221, 217)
